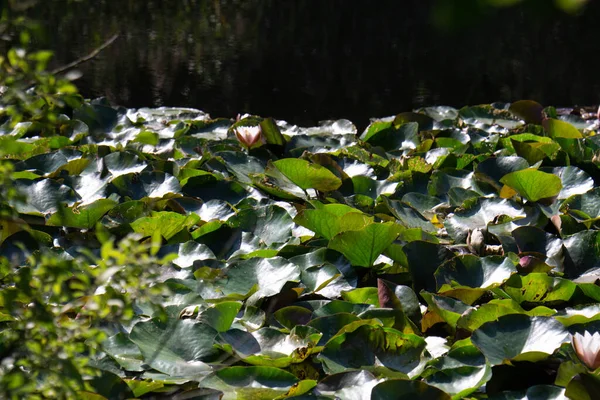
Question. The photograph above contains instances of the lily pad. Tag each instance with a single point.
(401, 389)
(519, 337)
(532, 184)
(308, 175)
(363, 246)
(178, 349)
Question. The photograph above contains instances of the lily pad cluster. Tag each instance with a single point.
(442, 253)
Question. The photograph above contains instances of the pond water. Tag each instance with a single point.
(305, 61)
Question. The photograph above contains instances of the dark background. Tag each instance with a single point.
(305, 61)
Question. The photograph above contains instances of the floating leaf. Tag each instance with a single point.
(331, 219)
(166, 222)
(401, 389)
(362, 247)
(528, 110)
(177, 349)
(560, 129)
(532, 184)
(519, 337)
(360, 348)
(475, 272)
(84, 217)
(308, 175)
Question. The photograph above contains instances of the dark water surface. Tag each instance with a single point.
(305, 61)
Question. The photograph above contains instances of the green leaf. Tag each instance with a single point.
(269, 275)
(146, 184)
(496, 308)
(260, 383)
(44, 196)
(362, 247)
(140, 388)
(584, 386)
(124, 351)
(539, 288)
(402, 389)
(366, 295)
(360, 347)
(449, 309)
(330, 325)
(533, 184)
(461, 371)
(221, 315)
(123, 162)
(424, 258)
(271, 132)
(560, 129)
(519, 337)
(480, 214)
(537, 392)
(291, 316)
(348, 385)
(393, 137)
(331, 219)
(308, 175)
(177, 348)
(574, 181)
(84, 217)
(475, 272)
(528, 110)
(166, 222)
(407, 216)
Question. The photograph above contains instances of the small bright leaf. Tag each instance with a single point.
(362, 247)
(533, 184)
(561, 129)
(308, 175)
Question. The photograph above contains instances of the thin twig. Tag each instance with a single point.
(87, 57)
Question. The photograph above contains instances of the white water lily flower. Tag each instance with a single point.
(587, 347)
(248, 135)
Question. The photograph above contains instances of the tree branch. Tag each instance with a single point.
(88, 57)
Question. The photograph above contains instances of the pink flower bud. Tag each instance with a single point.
(248, 135)
(587, 348)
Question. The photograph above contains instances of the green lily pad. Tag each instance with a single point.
(260, 383)
(44, 196)
(528, 110)
(360, 348)
(308, 175)
(461, 371)
(574, 181)
(123, 162)
(449, 309)
(391, 137)
(362, 247)
(178, 349)
(475, 272)
(560, 129)
(479, 214)
(496, 308)
(330, 219)
(84, 217)
(166, 222)
(519, 337)
(146, 184)
(402, 389)
(539, 288)
(532, 184)
(124, 351)
(348, 385)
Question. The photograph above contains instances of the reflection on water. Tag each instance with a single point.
(309, 60)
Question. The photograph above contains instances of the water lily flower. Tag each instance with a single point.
(248, 135)
(587, 347)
